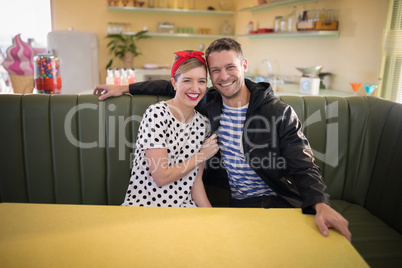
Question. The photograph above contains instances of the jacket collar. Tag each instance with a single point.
(260, 93)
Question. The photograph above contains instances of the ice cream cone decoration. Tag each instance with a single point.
(23, 84)
(19, 65)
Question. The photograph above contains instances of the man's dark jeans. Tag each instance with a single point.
(264, 201)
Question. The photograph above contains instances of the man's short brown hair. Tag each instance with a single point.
(224, 44)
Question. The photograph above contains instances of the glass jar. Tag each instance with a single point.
(47, 74)
(277, 24)
(292, 20)
(283, 25)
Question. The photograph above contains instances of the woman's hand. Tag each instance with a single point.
(163, 173)
(110, 90)
(209, 147)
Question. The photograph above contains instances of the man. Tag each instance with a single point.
(267, 158)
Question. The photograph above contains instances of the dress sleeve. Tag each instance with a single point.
(152, 131)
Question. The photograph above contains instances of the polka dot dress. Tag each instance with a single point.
(160, 129)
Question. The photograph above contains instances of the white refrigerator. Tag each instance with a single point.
(78, 55)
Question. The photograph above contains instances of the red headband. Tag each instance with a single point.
(184, 55)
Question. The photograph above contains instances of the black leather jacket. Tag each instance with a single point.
(273, 143)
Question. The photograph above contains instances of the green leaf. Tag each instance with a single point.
(120, 44)
(109, 64)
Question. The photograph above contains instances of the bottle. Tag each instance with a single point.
(124, 77)
(180, 4)
(277, 24)
(283, 26)
(170, 4)
(292, 20)
(110, 28)
(161, 3)
(117, 79)
(110, 77)
(250, 27)
(191, 4)
(131, 77)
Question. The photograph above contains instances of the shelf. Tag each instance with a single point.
(326, 34)
(183, 35)
(322, 34)
(278, 4)
(175, 11)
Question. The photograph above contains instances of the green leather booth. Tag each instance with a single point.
(73, 149)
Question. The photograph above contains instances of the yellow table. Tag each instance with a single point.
(33, 235)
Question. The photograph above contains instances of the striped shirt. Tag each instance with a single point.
(243, 181)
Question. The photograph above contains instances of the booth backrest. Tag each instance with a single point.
(68, 149)
(74, 149)
(357, 142)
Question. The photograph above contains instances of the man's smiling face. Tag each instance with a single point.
(227, 73)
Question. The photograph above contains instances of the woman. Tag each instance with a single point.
(170, 149)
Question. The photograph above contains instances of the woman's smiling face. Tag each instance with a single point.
(191, 86)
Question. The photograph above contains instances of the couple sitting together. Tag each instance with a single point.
(179, 139)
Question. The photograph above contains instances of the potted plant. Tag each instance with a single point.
(123, 46)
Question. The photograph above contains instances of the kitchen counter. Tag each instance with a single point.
(294, 90)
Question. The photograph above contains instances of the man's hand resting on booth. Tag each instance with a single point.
(110, 91)
(326, 217)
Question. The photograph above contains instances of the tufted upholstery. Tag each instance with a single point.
(366, 184)
(357, 142)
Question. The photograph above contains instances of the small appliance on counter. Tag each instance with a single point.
(148, 74)
(166, 27)
(310, 81)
